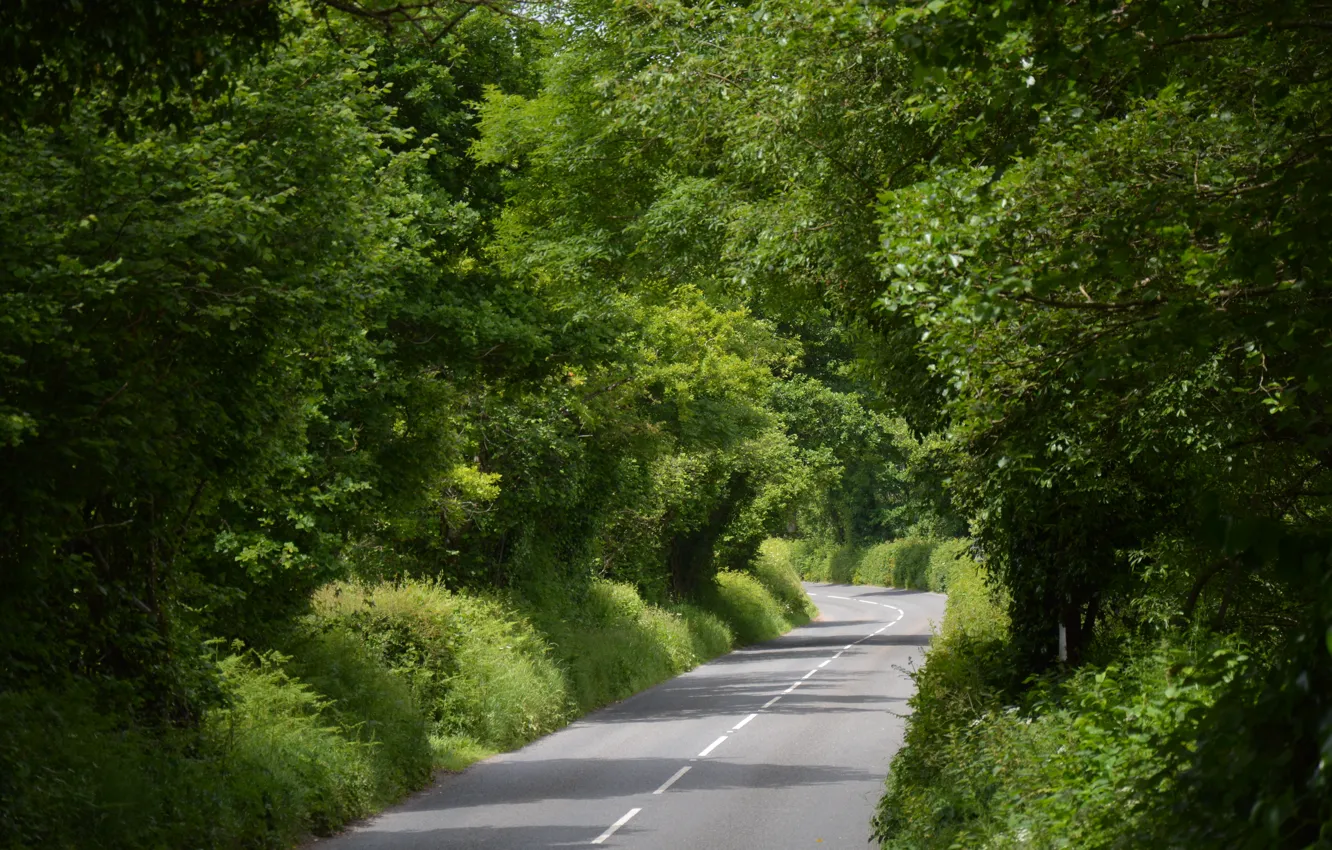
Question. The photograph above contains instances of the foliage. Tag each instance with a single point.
(185, 364)
(56, 50)
(782, 580)
(496, 673)
(281, 760)
(1129, 313)
(264, 337)
(382, 683)
(920, 563)
(816, 559)
(1121, 277)
(743, 601)
(943, 568)
(570, 315)
(479, 671)
(1091, 759)
(898, 563)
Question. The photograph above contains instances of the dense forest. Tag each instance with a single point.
(385, 383)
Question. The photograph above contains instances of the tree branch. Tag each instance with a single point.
(1106, 306)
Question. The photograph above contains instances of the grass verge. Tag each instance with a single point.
(378, 687)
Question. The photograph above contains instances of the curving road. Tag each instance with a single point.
(783, 744)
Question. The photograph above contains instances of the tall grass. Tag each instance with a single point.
(483, 675)
(281, 760)
(742, 600)
(378, 686)
(493, 673)
(611, 643)
(782, 580)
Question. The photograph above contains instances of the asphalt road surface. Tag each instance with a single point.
(779, 745)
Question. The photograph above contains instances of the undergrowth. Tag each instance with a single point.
(357, 705)
(1079, 759)
(279, 761)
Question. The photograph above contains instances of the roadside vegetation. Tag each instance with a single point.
(374, 689)
(916, 563)
(383, 384)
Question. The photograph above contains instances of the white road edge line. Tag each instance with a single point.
(741, 724)
(669, 782)
(769, 703)
(847, 598)
(619, 823)
(867, 602)
(712, 746)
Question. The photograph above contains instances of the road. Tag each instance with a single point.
(783, 744)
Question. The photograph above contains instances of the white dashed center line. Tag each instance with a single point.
(669, 782)
(619, 823)
(675, 777)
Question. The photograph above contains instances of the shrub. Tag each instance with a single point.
(842, 564)
(782, 580)
(948, 556)
(283, 754)
(1070, 766)
(746, 605)
(370, 704)
(811, 560)
(611, 644)
(1080, 760)
(281, 760)
(480, 670)
(708, 634)
(963, 679)
(875, 565)
(74, 776)
(378, 684)
(911, 560)
(896, 563)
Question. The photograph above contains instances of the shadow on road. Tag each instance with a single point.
(517, 783)
(892, 591)
(744, 692)
(479, 837)
(818, 642)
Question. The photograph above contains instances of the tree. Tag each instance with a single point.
(184, 319)
(57, 51)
